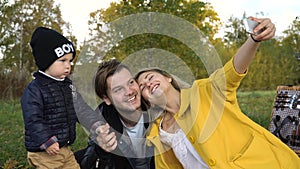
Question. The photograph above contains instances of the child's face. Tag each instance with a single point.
(61, 67)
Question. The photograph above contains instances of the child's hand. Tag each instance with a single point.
(53, 149)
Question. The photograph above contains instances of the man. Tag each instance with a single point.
(122, 139)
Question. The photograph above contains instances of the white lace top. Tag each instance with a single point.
(183, 149)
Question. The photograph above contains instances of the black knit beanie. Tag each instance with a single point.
(48, 45)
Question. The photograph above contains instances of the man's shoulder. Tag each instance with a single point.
(104, 108)
(110, 115)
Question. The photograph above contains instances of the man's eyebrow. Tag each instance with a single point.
(115, 87)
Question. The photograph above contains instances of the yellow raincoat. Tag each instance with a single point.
(222, 135)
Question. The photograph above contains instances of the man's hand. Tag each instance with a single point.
(107, 141)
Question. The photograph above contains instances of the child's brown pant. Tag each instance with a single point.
(65, 159)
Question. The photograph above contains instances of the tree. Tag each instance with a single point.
(200, 14)
(290, 46)
(234, 32)
(18, 20)
(274, 63)
(293, 35)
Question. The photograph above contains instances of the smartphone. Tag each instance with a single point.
(250, 25)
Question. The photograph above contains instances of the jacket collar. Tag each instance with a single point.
(46, 79)
(184, 101)
(51, 76)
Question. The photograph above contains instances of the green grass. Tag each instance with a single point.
(257, 105)
(12, 150)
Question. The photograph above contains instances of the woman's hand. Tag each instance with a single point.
(267, 27)
(247, 51)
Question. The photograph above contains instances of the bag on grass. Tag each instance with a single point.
(286, 116)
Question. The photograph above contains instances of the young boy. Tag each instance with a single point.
(47, 103)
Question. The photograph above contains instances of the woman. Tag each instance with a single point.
(203, 126)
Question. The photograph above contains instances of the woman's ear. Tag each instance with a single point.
(106, 100)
